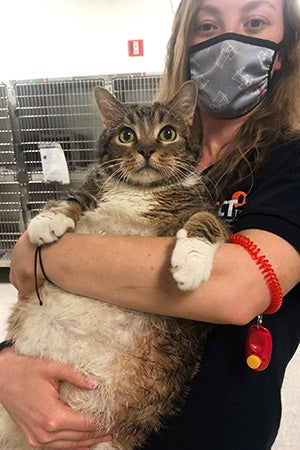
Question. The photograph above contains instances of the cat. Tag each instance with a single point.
(145, 183)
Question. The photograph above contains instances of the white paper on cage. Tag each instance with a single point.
(54, 164)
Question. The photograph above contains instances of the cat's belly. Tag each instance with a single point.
(141, 361)
(120, 213)
(80, 331)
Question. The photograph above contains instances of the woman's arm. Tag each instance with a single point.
(134, 272)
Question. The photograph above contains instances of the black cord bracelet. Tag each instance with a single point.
(6, 344)
(38, 256)
(36, 253)
(39, 251)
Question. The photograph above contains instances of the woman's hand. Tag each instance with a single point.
(22, 267)
(29, 392)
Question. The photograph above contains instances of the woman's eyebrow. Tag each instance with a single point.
(250, 6)
(210, 9)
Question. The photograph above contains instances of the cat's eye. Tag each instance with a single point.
(127, 135)
(167, 134)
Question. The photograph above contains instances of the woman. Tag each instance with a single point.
(251, 155)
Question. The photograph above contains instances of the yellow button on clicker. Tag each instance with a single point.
(254, 361)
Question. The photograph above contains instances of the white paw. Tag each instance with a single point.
(191, 261)
(47, 227)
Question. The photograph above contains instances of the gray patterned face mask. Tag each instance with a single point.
(232, 72)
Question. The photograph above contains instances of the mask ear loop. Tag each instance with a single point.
(259, 339)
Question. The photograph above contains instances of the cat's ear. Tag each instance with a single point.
(185, 100)
(111, 110)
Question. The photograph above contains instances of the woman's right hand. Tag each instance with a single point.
(22, 267)
(29, 392)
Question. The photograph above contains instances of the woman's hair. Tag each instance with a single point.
(276, 119)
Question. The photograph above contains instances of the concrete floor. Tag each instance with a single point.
(289, 434)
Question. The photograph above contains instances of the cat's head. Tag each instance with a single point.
(148, 145)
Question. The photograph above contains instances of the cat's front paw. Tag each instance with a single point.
(191, 261)
(47, 227)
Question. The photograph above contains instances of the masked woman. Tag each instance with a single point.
(245, 58)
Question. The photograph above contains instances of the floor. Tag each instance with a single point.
(289, 434)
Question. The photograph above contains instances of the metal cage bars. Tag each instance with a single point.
(11, 218)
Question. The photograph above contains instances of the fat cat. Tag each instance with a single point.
(146, 184)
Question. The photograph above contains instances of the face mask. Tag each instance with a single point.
(232, 72)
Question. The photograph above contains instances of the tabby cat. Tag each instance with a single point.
(145, 184)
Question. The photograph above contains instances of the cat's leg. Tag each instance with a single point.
(49, 226)
(57, 218)
(194, 251)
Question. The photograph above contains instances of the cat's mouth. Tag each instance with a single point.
(149, 171)
(147, 174)
(147, 168)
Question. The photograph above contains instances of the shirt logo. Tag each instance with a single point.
(232, 208)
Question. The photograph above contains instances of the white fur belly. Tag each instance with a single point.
(80, 331)
(120, 213)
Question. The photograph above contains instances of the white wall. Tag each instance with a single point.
(58, 38)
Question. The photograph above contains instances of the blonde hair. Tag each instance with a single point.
(276, 119)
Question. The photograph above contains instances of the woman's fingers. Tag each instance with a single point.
(68, 440)
(34, 405)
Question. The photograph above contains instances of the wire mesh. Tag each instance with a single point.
(11, 223)
(61, 111)
(138, 89)
(39, 192)
(7, 157)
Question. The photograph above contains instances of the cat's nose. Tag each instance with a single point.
(146, 152)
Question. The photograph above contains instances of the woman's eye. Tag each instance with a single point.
(206, 27)
(255, 24)
(127, 135)
(167, 134)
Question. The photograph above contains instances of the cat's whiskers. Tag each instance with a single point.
(191, 171)
(179, 172)
(182, 171)
(121, 175)
(113, 167)
(112, 163)
(115, 177)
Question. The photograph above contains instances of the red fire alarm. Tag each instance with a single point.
(136, 47)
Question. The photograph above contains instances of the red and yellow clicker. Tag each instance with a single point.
(258, 347)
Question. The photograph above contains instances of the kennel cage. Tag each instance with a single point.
(62, 111)
(11, 218)
(35, 112)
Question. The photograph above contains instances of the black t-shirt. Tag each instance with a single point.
(232, 407)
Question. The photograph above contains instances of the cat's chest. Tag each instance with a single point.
(119, 212)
